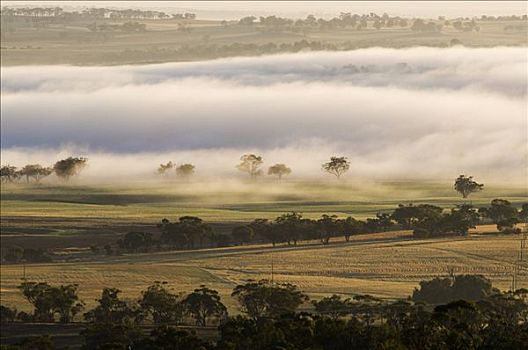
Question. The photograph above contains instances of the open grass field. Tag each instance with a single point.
(59, 217)
(234, 200)
(73, 43)
(105, 209)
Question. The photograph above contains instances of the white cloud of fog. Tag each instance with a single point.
(494, 70)
(394, 113)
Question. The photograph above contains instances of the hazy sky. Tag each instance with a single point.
(296, 9)
(418, 112)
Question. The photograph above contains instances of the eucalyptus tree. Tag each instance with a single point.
(71, 166)
(35, 171)
(337, 166)
(279, 170)
(164, 168)
(8, 173)
(465, 185)
(250, 163)
(204, 304)
(185, 170)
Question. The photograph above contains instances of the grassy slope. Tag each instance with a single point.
(240, 202)
(74, 44)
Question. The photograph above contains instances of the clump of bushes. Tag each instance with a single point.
(462, 287)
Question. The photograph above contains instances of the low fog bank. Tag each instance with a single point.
(219, 165)
(413, 113)
(498, 69)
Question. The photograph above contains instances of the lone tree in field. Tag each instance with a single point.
(465, 185)
(250, 163)
(8, 173)
(69, 167)
(35, 171)
(185, 170)
(164, 168)
(279, 170)
(337, 166)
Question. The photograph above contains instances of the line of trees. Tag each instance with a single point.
(93, 13)
(127, 27)
(470, 314)
(250, 164)
(157, 304)
(425, 220)
(346, 20)
(63, 169)
(190, 232)
(16, 254)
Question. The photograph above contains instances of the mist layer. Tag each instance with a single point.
(421, 112)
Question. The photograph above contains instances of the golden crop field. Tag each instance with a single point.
(388, 265)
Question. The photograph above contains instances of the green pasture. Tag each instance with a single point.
(243, 202)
